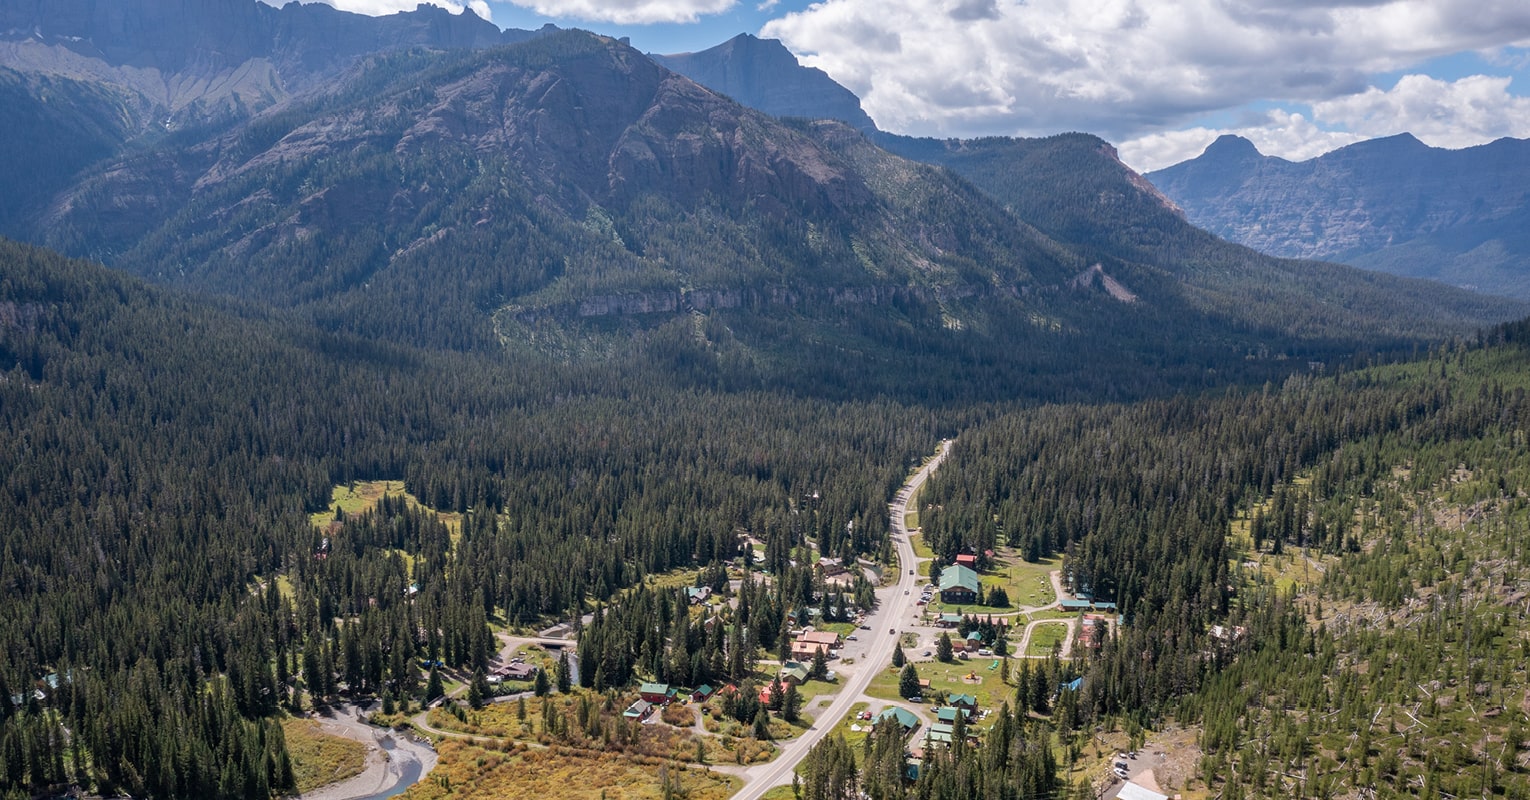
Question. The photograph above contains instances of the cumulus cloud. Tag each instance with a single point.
(1453, 114)
(1290, 136)
(375, 8)
(629, 12)
(1122, 68)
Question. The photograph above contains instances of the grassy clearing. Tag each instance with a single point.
(358, 497)
(1028, 585)
(812, 690)
(911, 521)
(779, 793)
(1045, 637)
(319, 759)
(469, 772)
(947, 679)
(921, 550)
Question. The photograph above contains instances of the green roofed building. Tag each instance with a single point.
(904, 717)
(657, 693)
(940, 733)
(959, 584)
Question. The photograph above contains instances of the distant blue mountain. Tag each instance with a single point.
(1395, 205)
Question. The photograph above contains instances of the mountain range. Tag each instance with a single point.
(564, 195)
(1395, 205)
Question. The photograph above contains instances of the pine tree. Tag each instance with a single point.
(943, 648)
(478, 690)
(898, 659)
(908, 682)
(791, 703)
(433, 686)
(565, 681)
(820, 669)
(540, 686)
(762, 725)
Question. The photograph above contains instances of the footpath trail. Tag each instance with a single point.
(893, 604)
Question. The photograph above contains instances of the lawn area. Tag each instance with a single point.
(815, 689)
(921, 550)
(1028, 585)
(947, 679)
(1045, 637)
(319, 759)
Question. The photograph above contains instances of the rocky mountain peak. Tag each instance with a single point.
(764, 75)
(1230, 147)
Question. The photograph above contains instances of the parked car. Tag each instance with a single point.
(893, 631)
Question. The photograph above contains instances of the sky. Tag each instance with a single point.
(1160, 79)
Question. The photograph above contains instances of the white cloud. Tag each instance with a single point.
(1122, 68)
(1290, 136)
(629, 12)
(1453, 114)
(376, 8)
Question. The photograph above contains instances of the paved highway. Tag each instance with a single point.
(894, 603)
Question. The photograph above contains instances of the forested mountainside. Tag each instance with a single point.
(1394, 204)
(605, 324)
(170, 452)
(1073, 188)
(1321, 577)
(167, 454)
(566, 194)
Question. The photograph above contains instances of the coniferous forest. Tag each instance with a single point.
(166, 453)
(601, 372)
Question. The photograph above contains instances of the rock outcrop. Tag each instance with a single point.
(764, 75)
(1395, 204)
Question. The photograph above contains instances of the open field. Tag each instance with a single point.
(1045, 637)
(319, 759)
(1028, 585)
(946, 679)
(468, 771)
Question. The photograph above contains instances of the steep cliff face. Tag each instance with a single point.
(763, 74)
(1395, 204)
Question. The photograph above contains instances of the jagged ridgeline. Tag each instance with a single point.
(568, 198)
